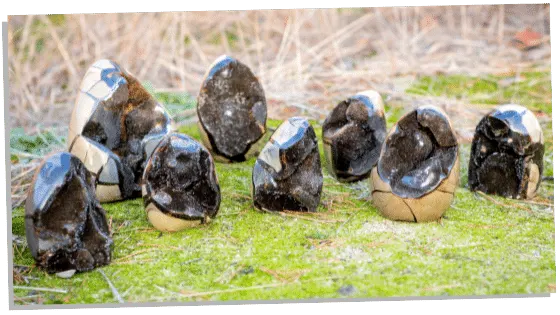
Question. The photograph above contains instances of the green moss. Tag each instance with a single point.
(482, 246)
(531, 89)
(57, 19)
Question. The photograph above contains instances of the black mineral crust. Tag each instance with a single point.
(180, 179)
(418, 153)
(123, 123)
(287, 174)
(232, 108)
(66, 227)
(506, 144)
(353, 134)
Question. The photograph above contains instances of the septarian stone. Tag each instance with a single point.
(114, 128)
(180, 187)
(353, 134)
(231, 110)
(507, 153)
(287, 174)
(418, 168)
(65, 226)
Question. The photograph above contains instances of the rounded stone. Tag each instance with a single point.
(65, 226)
(353, 133)
(507, 153)
(180, 187)
(232, 110)
(287, 174)
(418, 168)
(114, 127)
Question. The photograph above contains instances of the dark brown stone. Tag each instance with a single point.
(418, 168)
(66, 227)
(419, 153)
(353, 133)
(287, 174)
(180, 184)
(116, 120)
(507, 153)
(231, 110)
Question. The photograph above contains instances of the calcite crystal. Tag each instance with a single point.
(418, 168)
(507, 153)
(65, 226)
(353, 133)
(180, 187)
(114, 127)
(287, 174)
(231, 110)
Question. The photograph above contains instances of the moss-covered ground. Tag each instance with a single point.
(484, 245)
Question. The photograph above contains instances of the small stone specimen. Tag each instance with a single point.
(114, 128)
(231, 111)
(353, 134)
(65, 226)
(507, 153)
(287, 174)
(418, 168)
(180, 187)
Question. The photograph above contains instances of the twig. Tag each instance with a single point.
(532, 202)
(113, 289)
(284, 276)
(344, 223)
(40, 289)
(133, 254)
(502, 204)
(287, 214)
(227, 276)
(132, 262)
(22, 298)
(161, 246)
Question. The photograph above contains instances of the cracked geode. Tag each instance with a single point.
(180, 187)
(115, 125)
(231, 111)
(353, 133)
(418, 168)
(65, 226)
(287, 174)
(507, 153)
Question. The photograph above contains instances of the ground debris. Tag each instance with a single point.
(347, 290)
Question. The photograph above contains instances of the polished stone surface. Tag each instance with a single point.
(232, 110)
(507, 153)
(66, 227)
(287, 174)
(180, 186)
(114, 127)
(353, 133)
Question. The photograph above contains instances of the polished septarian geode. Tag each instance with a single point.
(353, 133)
(231, 110)
(287, 174)
(418, 168)
(114, 127)
(65, 226)
(507, 153)
(180, 187)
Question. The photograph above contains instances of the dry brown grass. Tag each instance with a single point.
(303, 57)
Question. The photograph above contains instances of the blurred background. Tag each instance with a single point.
(462, 58)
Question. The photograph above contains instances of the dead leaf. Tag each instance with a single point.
(527, 39)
